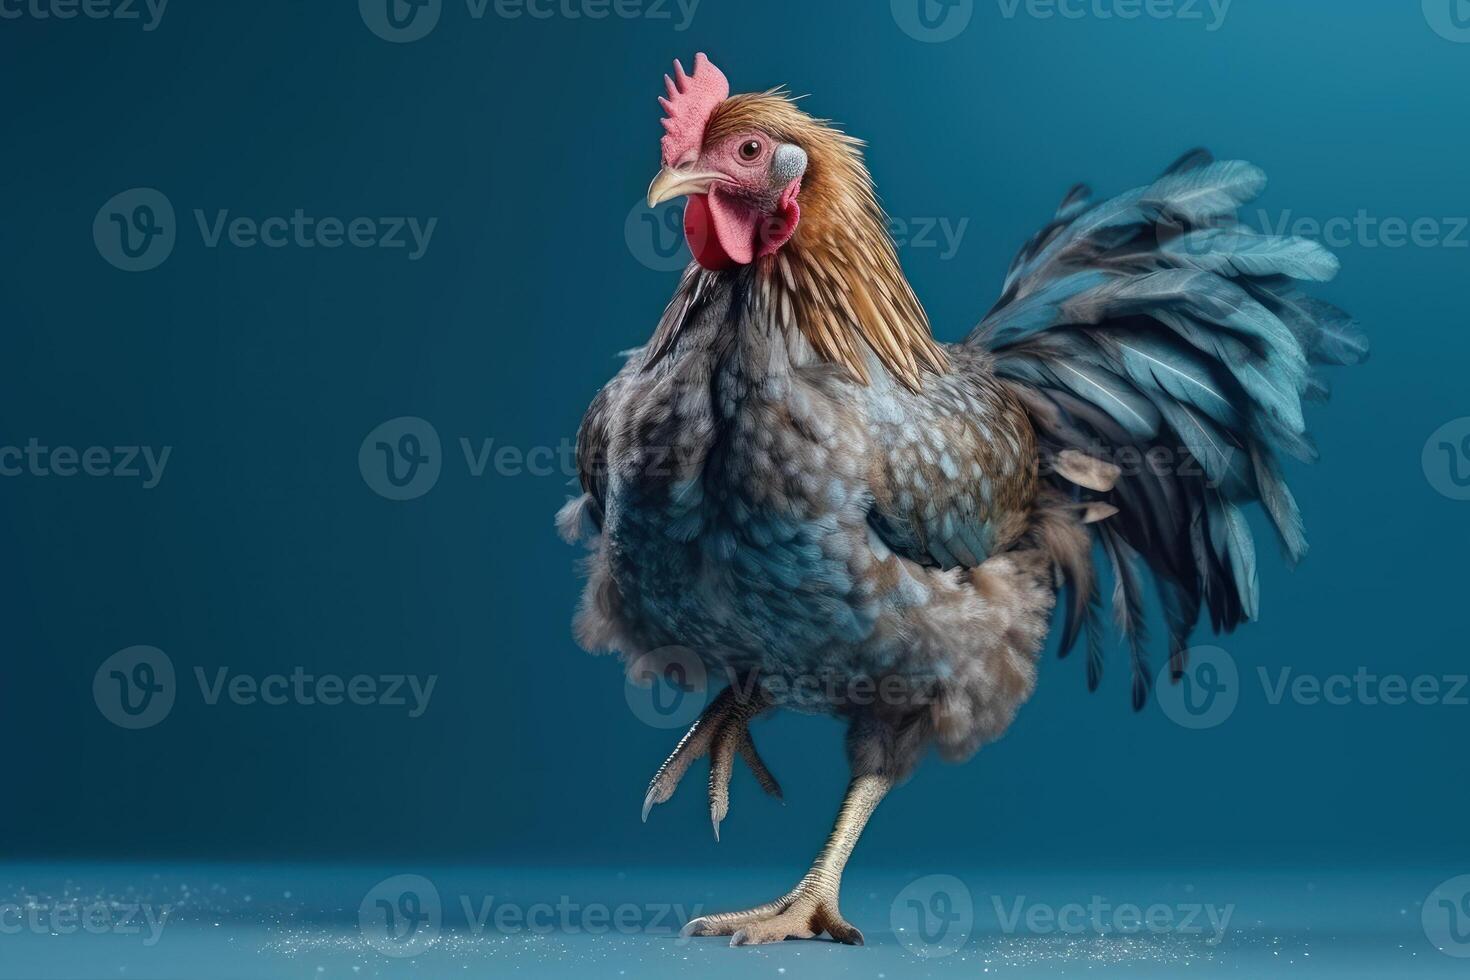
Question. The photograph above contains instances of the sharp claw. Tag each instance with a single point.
(714, 819)
(692, 927)
(740, 938)
(648, 802)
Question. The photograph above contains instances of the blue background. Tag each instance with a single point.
(263, 548)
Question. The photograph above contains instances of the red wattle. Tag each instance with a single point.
(699, 232)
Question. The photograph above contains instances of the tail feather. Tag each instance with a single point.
(1191, 160)
(1154, 330)
(1128, 608)
(1236, 252)
(1194, 194)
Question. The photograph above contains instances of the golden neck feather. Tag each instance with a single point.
(840, 270)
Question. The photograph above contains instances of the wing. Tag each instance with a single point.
(953, 466)
(581, 518)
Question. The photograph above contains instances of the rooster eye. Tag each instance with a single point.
(750, 149)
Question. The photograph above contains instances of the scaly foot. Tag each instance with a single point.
(808, 910)
(811, 907)
(721, 731)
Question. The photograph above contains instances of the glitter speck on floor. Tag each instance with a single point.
(83, 922)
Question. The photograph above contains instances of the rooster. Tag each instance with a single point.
(796, 482)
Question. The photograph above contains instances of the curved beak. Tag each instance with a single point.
(674, 182)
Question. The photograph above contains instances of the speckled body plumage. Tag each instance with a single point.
(759, 505)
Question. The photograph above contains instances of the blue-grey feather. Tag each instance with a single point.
(1155, 319)
(1240, 252)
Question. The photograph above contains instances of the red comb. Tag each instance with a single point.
(692, 100)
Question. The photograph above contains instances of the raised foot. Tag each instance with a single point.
(802, 914)
(720, 732)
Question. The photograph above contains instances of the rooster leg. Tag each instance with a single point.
(721, 731)
(811, 907)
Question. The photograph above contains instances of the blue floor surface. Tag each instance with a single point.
(321, 923)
